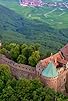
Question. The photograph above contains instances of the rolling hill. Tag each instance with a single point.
(55, 17)
(24, 24)
(14, 27)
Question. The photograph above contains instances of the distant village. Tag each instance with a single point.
(40, 3)
(31, 3)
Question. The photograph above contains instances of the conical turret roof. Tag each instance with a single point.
(50, 70)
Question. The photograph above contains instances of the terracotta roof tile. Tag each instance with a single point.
(62, 61)
(64, 51)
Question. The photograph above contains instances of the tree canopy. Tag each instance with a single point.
(22, 53)
(22, 89)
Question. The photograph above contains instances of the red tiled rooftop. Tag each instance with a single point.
(64, 51)
(54, 58)
(60, 57)
(62, 61)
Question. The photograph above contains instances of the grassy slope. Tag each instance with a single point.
(33, 30)
(53, 19)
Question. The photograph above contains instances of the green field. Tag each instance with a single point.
(55, 17)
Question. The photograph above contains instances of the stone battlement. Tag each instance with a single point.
(18, 70)
(52, 71)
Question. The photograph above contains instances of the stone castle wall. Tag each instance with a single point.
(57, 83)
(21, 70)
(61, 81)
(18, 70)
(50, 82)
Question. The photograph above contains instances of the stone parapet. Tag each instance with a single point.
(18, 70)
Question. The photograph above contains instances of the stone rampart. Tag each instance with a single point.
(18, 70)
(50, 82)
(21, 70)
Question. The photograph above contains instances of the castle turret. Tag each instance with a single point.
(50, 75)
(50, 71)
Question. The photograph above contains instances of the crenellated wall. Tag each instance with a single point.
(18, 70)
(21, 70)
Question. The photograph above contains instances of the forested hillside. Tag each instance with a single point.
(14, 27)
(46, 25)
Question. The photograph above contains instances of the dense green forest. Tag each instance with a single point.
(23, 53)
(23, 89)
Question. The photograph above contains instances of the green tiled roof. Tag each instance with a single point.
(50, 70)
